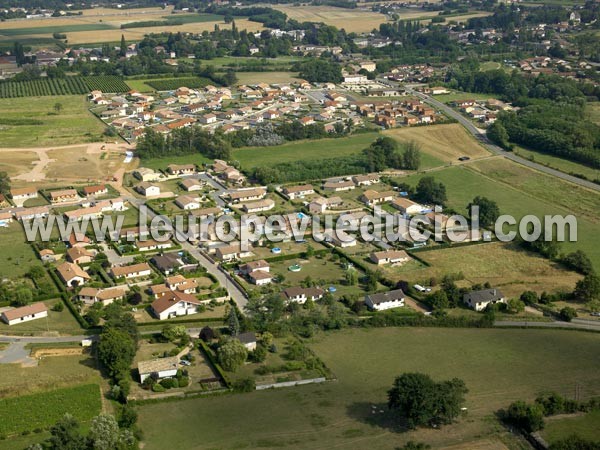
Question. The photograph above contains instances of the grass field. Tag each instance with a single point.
(505, 266)
(593, 111)
(444, 142)
(41, 410)
(266, 77)
(557, 163)
(17, 255)
(585, 426)
(520, 191)
(74, 124)
(62, 322)
(498, 366)
(447, 98)
(162, 163)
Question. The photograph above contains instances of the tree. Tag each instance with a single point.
(232, 354)
(411, 158)
(498, 134)
(123, 47)
(233, 322)
(488, 210)
(105, 434)
(58, 107)
(416, 397)
(515, 306)
(529, 297)
(4, 183)
(527, 417)
(579, 262)
(588, 288)
(36, 272)
(438, 300)
(567, 313)
(429, 191)
(351, 277)
(116, 351)
(23, 296)
(65, 435)
(173, 332)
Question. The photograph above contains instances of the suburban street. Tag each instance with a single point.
(479, 134)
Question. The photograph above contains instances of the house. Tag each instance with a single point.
(33, 213)
(145, 174)
(150, 245)
(208, 119)
(187, 202)
(191, 185)
(293, 192)
(22, 194)
(385, 300)
(25, 313)
(93, 212)
(261, 205)
(162, 367)
(47, 255)
(64, 195)
(174, 304)
(245, 195)
(100, 189)
(338, 186)
(340, 238)
(5, 218)
(366, 180)
(260, 278)
(479, 300)
(78, 240)
(406, 206)
(248, 339)
(181, 169)
(71, 274)
(232, 251)
(322, 204)
(133, 271)
(148, 189)
(439, 90)
(389, 257)
(301, 295)
(79, 255)
(158, 290)
(89, 295)
(167, 263)
(253, 266)
(372, 198)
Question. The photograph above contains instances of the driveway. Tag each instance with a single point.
(16, 353)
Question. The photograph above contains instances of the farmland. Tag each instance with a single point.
(584, 425)
(36, 123)
(498, 366)
(266, 77)
(72, 85)
(42, 410)
(63, 322)
(17, 255)
(521, 191)
(557, 163)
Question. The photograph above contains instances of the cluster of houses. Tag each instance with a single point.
(390, 114)
(485, 111)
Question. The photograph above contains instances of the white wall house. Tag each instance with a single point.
(385, 300)
(25, 313)
(162, 367)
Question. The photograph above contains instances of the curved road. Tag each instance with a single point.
(482, 138)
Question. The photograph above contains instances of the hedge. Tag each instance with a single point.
(211, 357)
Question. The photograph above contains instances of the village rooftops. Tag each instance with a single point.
(171, 298)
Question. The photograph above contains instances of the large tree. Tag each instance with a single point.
(588, 288)
(116, 351)
(488, 210)
(422, 401)
(232, 354)
(430, 191)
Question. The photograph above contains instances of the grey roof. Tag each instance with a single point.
(384, 297)
(168, 261)
(485, 295)
(247, 338)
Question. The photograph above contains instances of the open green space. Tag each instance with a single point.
(17, 255)
(62, 322)
(498, 367)
(36, 411)
(162, 163)
(456, 95)
(564, 165)
(74, 124)
(56, 29)
(584, 425)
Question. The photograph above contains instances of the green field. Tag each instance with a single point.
(520, 191)
(73, 125)
(498, 366)
(447, 98)
(42, 410)
(564, 165)
(585, 426)
(55, 29)
(593, 111)
(17, 255)
(62, 322)
(162, 163)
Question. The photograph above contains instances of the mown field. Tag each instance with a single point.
(38, 411)
(266, 77)
(251, 157)
(34, 122)
(498, 366)
(62, 322)
(520, 191)
(584, 425)
(17, 255)
(557, 163)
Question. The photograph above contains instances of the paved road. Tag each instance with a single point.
(234, 292)
(480, 136)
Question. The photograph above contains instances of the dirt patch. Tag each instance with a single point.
(43, 352)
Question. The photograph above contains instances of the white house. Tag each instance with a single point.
(72, 274)
(248, 339)
(187, 202)
(173, 304)
(162, 367)
(406, 206)
(301, 295)
(389, 257)
(293, 192)
(148, 189)
(479, 300)
(385, 300)
(25, 313)
(133, 271)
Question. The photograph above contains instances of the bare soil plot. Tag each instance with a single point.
(352, 20)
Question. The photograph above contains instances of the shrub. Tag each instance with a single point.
(567, 313)
(158, 388)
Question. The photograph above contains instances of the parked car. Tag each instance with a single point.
(464, 158)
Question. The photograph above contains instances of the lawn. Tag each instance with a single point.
(62, 322)
(162, 163)
(31, 412)
(73, 125)
(585, 426)
(17, 255)
(521, 191)
(564, 165)
(498, 366)
(250, 157)
(445, 143)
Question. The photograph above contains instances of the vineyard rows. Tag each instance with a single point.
(61, 86)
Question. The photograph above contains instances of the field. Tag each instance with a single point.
(165, 84)
(564, 165)
(62, 322)
(498, 366)
(504, 265)
(266, 77)
(593, 111)
(42, 125)
(17, 255)
(447, 98)
(70, 85)
(352, 20)
(585, 426)
(41, 410)
(162, 163)
(521, 191)
(444, 142)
